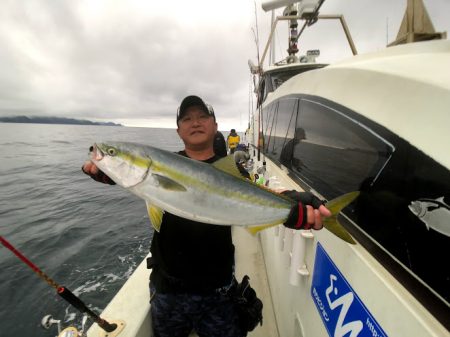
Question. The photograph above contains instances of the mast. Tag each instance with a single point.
(416, 25)
(272, 44)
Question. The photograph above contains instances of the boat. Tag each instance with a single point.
(377, 123)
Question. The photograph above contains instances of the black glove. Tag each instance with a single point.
(100, 177)
(297, 216)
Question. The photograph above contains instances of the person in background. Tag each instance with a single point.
(241, 154)
(241, 157)
(233, 140)
(193, 262)
(220, 146)
(287, 156)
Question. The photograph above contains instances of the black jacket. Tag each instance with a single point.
(220, 146)
(191, 257)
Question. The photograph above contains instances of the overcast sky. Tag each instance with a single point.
(133, 61)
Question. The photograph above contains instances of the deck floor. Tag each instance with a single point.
(250, 261)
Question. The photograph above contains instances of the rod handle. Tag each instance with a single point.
(77, 303)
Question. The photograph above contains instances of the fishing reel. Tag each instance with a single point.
(47, 322)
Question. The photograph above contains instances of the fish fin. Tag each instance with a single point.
(335, 227)
(335, 206)
(338, 204)
(256, 229)
(228, 165)
(155, 215)
(168, 184)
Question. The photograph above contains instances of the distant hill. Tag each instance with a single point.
(53, 120)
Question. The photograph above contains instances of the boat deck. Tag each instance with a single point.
(250, 261)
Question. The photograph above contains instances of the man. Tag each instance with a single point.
(288, 157)
(241, 157)
(193, 263)
(233, 140)
(241, 154)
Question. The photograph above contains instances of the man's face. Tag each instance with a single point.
(197, 128)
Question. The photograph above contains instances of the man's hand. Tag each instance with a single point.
(93, 171)
(307, 212)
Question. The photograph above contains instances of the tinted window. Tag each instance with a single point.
(276, 78)
(407, 211)
(262, 92)
(281, 125)
(268, 118)
(334, 153)
(405, 195)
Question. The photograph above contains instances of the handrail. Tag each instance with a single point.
(345, 27)
(296, 17)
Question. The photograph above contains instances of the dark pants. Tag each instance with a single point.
(177, 315)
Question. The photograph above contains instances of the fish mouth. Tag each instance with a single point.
(417, 209)
(96, 153)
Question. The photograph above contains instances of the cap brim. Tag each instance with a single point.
(190, 101)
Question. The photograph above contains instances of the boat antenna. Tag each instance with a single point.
(61, 290)
(259, 74)
(387, 30)
(256, 34)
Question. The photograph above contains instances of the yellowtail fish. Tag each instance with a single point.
(209, 193)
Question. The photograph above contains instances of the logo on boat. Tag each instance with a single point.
(434, 213)
(342, 311)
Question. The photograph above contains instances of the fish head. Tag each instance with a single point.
(127, 166)
(417, 208)
(423, 206)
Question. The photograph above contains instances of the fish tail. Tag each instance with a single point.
(336, 206)
(331, 223)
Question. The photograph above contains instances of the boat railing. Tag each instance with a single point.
(307, 11)
(319, 17)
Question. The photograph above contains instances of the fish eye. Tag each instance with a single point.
(111, 151)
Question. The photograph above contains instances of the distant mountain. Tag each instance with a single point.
(53, 120)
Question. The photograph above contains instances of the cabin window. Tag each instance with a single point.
(407, 211)
(262, 92)
(404, 205)
(280, 126)
(334, 153)
(267, 121)
(276, 78)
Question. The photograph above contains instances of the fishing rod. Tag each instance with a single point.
(61, 290)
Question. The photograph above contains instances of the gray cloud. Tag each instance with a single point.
(68, 58)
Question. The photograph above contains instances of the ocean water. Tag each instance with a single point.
(85, 235)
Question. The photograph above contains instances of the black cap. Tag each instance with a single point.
(192, 100)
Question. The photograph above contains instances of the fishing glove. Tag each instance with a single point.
(100, 177)
(297, 216)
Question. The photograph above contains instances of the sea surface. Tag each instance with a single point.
(85, 235)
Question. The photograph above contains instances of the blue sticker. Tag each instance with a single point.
(342, 311)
